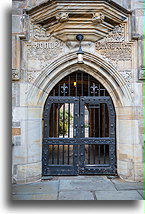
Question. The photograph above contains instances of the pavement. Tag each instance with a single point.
(79, 188)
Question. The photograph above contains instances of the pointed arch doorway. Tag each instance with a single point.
(79, 128)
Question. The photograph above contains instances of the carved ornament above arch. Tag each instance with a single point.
(64, 19)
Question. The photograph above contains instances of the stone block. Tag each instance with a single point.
(16, 24)
(16, 131)
(125, 169)
(19, 154)
(35, 112)
(35, 152)
(26, 171)
(30, 113)
(34, 130)
(125, 113)
(138, 94)
(125, 151)
(16, 124)
(128, 131)
(24, 87)
(138, 153)
(139, 171)
(19, 113)
(17, 140)
(15, 94)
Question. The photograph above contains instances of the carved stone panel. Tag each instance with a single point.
(115, 48)
(40, 53)
(15, 75)
(141, 74)
(127, 76)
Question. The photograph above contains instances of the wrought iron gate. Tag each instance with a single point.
(79, 131)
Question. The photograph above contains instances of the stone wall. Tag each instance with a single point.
(37, 65)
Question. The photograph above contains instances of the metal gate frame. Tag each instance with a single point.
(79, 141)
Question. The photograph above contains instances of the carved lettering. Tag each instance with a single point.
(114, 47)
(44, 50)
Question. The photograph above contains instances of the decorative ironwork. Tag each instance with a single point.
(64, 87)
(94, 89)
(79, 129)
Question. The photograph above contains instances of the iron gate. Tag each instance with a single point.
(79, 131)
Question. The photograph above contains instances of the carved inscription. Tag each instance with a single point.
(44, 50)
(114, 47)
(115, 51)
(39, 54)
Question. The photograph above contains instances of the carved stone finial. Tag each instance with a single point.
(61, 17)
(15, 75)
(98, 18)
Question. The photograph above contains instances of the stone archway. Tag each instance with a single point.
(110, 78)
(79, 128)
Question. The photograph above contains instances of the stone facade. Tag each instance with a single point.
(43, 52)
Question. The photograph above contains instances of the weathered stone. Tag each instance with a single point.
(141, 192)
(86, 185)
(15, 75)
(118, 195)
(16, 24)
(122, 185)
(16, 124)
(44, 52)
(16, 131)
(75, 195)
(36, 191)
(35, 197)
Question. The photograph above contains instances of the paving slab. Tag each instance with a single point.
(123, 185)
(86, 185)
(141, 192)
(118, 195)
(48, 196)
(76, 195)
(94, 178)
(50, 187)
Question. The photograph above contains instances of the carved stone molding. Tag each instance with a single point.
(15, 75)
(61, 17)
(127, 76)
(98, 18)
(66, 19)
(141, 74)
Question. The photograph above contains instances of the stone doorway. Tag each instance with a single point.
(79, 128)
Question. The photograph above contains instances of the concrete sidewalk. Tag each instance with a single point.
(79, 188)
